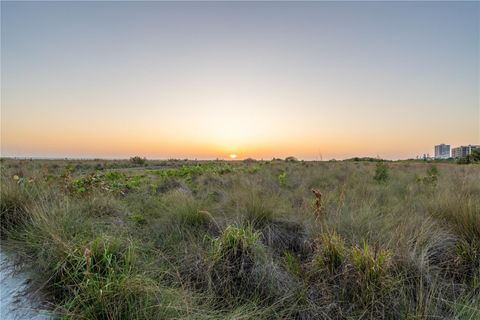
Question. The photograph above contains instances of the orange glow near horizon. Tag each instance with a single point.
(256, 80)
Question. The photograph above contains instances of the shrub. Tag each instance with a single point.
(138, 160)
(381, 173)
(475, 155)
(430, 178)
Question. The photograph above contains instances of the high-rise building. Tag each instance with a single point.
(442, 151)
(463, 151)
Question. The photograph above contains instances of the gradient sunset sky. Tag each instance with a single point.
(259, 79)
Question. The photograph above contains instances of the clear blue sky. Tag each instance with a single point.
(260, 79)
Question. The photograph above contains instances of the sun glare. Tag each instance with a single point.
(233, 156)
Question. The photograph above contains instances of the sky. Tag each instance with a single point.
(315, 80)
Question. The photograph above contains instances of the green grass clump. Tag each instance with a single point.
(331, 251)
(186, 212)
(292, 263)
(138, 218)
(258, 210)
(372, 264)
(14, 202)
(235, 265)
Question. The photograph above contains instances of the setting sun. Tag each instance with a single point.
(233, 156)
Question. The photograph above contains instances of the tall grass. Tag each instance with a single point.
(248, 244)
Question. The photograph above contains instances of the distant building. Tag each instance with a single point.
(442, 151)
(463, 151)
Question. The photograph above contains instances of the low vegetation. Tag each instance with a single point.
(144, 239)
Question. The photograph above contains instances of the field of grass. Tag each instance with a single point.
(246, 240)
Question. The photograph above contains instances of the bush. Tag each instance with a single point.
(473, 157)
(430, 178)
(138, 160)
(381, 173)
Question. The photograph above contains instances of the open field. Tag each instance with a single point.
(246, 239)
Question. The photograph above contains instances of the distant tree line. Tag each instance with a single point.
(473, 157)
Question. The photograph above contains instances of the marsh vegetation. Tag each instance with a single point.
(246, 240)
